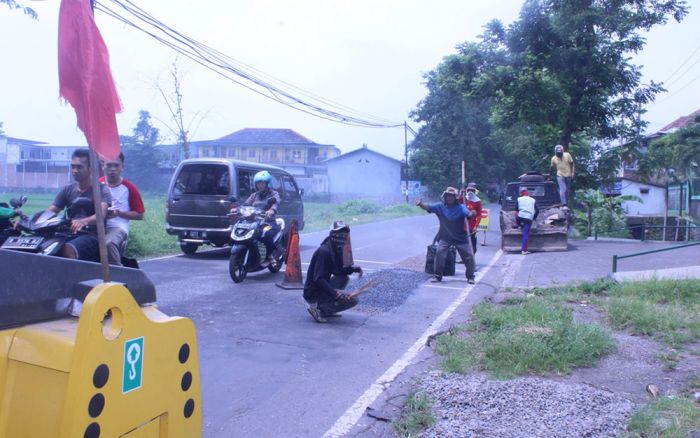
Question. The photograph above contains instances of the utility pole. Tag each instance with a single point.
(405, 152)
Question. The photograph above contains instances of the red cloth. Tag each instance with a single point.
(85, 79)
(474, 221)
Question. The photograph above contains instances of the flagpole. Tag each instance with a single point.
(99, 217)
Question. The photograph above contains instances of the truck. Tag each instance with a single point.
(549, 230)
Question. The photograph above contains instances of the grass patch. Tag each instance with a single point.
(577, 292)
(536, 336)
(666, 417)
(147, 238)
(415, 416)
(319, 216)
(668, 310)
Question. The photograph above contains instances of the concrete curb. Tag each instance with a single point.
(659, 274)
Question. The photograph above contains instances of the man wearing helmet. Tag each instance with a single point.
(327, 274)
(563, 164)
(451, 215)
(266, 198)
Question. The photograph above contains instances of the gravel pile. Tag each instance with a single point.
(393, 288)
(472, 405)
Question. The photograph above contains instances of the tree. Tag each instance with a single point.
(173, 99)
(141, 156)
(679, 151)
(456, 116)
(12, 4)
(569, 69)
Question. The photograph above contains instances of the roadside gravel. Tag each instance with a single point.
(472, 405)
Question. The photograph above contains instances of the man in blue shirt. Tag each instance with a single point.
(451, 215)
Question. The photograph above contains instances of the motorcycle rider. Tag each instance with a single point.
(266, 198)
(82, 246)
(326, 275)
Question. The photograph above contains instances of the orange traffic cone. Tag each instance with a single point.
(292, 272)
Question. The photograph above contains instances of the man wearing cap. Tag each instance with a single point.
(473, 205)
(328, 275)
(563, 164)
(527, 213)
(451, 215)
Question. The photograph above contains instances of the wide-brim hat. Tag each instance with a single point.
(471, 186)
(339, 226)
(450, 191)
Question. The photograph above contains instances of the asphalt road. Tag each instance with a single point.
(267, 368)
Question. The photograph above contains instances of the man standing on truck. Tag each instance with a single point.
(266, 198)
(526, 214)
(127, 205)
(84, 244)
(451, 215)
(327, 276)
(565, 168)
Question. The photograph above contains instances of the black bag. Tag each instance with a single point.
(449, 268)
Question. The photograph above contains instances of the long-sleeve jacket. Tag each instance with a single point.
(261, 198)
(323, 264)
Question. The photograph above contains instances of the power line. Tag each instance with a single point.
(240, 73)
(683, 64)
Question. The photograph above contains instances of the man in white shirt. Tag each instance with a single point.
(127, 205)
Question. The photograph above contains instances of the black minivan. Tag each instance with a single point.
(202, 191)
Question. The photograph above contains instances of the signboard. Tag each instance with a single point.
(484, 224)
(133, 365)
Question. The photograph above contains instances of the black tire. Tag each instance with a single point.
(278, 265)
(236, 268)
(189, 248)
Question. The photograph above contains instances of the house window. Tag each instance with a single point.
(273, 153)
(251, 153)
(296, 154)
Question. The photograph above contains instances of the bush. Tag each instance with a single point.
(358, 207)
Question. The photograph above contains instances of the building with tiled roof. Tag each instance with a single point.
(284, 148)
(679, 123)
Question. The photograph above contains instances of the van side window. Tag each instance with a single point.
(288, 189)
(245, 185)
(202, 179)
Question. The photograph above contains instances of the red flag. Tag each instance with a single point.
(85, 78)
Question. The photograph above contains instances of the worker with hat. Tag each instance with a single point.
(564, 165)
(473, 205)
(526, 214)
(328, 275)
(452, 232)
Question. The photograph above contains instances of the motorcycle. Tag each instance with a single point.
(43, 233)
(7, 226)
(248, 253)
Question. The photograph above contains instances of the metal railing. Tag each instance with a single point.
(646, 227)
(635, 254)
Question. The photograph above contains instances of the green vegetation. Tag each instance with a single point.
(318, 216)
(534, 335)
(666, 417)
(415, 416)
(668, 310)
(147, 238)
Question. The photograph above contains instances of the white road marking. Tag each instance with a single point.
(374, 262)
(354, 412)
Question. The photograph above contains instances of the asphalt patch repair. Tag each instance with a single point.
(392, 288)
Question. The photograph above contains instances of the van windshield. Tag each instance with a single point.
(203, 179)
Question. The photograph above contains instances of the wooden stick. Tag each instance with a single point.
(365, 288)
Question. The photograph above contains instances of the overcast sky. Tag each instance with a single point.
(367, 55)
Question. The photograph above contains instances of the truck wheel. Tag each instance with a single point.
(188, 248)
(236, 268)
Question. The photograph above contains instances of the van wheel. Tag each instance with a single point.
(236, 268)
(188, 248)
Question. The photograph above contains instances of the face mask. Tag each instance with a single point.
(471, 196)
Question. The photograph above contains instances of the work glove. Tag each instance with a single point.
(342, 297)
(357, 270)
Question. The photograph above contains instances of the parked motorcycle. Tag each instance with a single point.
(7, 225)
(248, 253)
(43, 233)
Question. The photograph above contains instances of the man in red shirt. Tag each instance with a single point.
(127, 205)
(473, 204)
